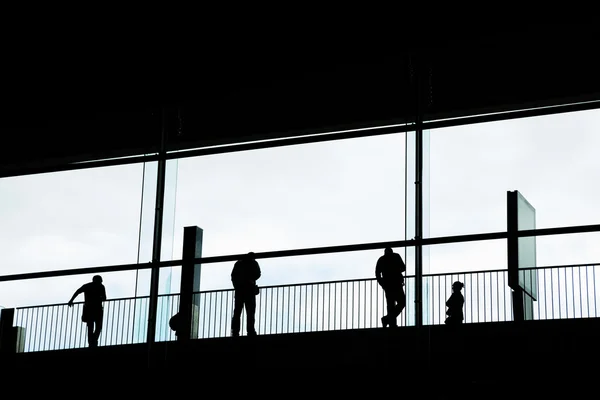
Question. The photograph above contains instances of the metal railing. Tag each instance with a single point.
(59, 327)
(562, 292)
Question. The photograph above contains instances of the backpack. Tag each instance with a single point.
(174, 323)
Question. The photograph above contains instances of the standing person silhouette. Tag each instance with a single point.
(388, 272)
(244, 275)
(93, 310)
(455, 305)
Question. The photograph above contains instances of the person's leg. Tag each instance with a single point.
(389, 319)
(90, 333)
(400, 298)
(237, 313)
(98, 321)
(250, 303)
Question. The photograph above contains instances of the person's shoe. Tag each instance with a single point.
(235, 334)
(384, 321)
(252, 333)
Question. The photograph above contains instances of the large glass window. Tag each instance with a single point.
(551, 160)
(66, 220)
(321, 194)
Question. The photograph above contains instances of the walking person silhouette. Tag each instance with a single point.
(244, 275)
(93, 311)
(388, 272)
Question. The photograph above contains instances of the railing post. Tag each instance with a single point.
(8, 337)
(512, 252)
(189, 302)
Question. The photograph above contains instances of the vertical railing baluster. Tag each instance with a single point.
(221, 321)
(573, 290)
(305, 307)
(595, 299)
(329, 306)
(204, 325)
(48, 328)
(277, 311)
(580, 287)
(546, 295)
(484, 298)
(352, 302)
(498, 294)
(559, 301)
(552, 292)
(566, 292)
(294, 311)
(287, 323)
(118, 323)
(377, 304)
(587, 294)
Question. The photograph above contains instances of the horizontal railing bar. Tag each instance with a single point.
(81, 302)
(298, 284)
(306, 251)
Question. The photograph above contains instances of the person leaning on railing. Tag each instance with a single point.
(93, 311)
(388, 272)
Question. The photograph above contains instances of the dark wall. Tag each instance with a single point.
(65, 101)
(475, 352)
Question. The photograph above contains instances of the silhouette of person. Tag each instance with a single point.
(93, 310)
(388, 272)
(455, 305)
(175, 323)
(244, 275)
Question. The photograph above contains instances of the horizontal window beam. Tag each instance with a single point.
(306, 251)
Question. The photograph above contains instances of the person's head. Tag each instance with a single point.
(97, 279)
(388, 250)
(457, 286)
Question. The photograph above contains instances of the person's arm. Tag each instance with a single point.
(257, 272)
(234, 275)
(103, 295)
(378, 272)
(77, 293)
(402, 265)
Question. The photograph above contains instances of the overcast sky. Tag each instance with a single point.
(331, 193)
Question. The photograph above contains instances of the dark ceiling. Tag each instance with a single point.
(84, 100)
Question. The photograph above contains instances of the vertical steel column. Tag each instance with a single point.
(189, 299)
(157, 242)
(7, 330)
(418, 197)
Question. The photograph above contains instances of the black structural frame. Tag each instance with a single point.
(418, 242)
